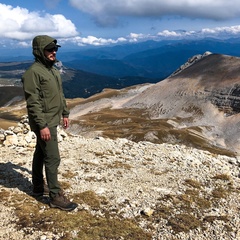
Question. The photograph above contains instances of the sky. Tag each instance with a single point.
(83, 23)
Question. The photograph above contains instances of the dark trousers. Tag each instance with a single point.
(46, 153)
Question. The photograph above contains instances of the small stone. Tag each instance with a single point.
(2, 137)
(17, 130)
(147, 212)
(11, 140)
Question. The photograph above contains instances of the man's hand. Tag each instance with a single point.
(65, 122)
(45, 134)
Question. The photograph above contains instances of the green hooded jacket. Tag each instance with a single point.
(42, 86)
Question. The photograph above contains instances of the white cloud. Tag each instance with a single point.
(20, 24)
(167, 33)
(224, 32)
(233, 30)
(206, 9)
(91, 40)
(135, 37)
(24, 44)
(218, 32)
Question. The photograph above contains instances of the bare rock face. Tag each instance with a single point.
(205, 94)
(218, 75)
(212, 79)
(227, 99)
(190, 62)
(198, 103)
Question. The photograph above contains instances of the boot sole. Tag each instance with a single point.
(70, 208)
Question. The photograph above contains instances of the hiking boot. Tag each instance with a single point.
(40, 190)
(60, 201)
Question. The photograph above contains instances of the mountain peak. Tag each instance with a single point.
(198, 106)
(190, 62)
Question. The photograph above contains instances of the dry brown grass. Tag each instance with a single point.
(187, 211)
(86, 226)
(5, 124)
(182, 212)
(10, 117)
(135, 124)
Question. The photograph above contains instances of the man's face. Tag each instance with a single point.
(50, 54)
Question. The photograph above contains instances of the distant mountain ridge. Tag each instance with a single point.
(149, 59)
(87, 72)
(76, 83)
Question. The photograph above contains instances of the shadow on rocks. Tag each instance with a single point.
(15, 176)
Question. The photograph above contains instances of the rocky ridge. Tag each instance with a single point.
(190, 62)
(21, 135)
(169, 191)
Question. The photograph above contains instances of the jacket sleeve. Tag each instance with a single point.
(65, 111)
(32, 91)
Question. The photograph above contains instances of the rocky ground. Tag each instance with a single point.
(125, 190)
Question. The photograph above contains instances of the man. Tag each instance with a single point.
(46, 105)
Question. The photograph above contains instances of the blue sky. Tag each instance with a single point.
(104, 22)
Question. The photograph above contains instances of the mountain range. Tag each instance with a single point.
(149, 59)
(197, 104)
(88, 71)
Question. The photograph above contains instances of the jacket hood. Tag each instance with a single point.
(38, 45)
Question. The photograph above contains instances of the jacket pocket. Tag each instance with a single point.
(44, 101)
